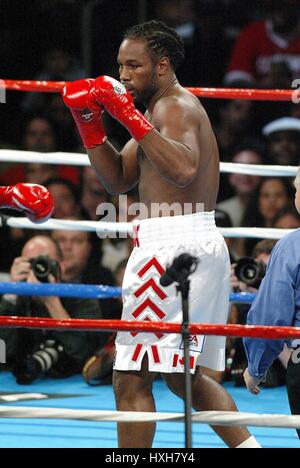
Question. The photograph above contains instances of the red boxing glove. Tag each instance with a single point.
(87, 115)
(34, 200)
(113, 95)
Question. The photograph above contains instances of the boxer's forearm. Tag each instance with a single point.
(107, 162)
(172, 160)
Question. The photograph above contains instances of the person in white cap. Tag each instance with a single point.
(283, 141)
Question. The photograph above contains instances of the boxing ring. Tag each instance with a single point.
(68, 413)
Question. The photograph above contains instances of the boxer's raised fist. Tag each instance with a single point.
(35, 201)
(113, 95)
(85, 111)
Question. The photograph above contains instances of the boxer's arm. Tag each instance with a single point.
(118, 172)
(173, 151)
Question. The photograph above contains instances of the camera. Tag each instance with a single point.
(39, 363)
(43, 266)
(250, 272)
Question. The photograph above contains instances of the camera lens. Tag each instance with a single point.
(39, 363)
(249, 271)
(43, 266)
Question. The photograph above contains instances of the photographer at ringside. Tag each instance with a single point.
(32, 354)
(246, 276)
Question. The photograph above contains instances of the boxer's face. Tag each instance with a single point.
(137, 70)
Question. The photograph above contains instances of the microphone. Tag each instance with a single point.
(182, 266)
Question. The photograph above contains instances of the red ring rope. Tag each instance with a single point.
(151, 327)
(38, 86)
(220, 93)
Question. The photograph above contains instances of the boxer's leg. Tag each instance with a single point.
(208, 395)
(133, 392)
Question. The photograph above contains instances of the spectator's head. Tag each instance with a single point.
(287, 218)
(57, 63)
(174, 12)
(244, 185)
(262, 250)
(274, 195)
(297, 187)
(76, 249)
(236, 114)
(271, 196)
(65, 196)
(39, 135)
(42, 245)
(283, 141)
(58, 112)
(92, 193)
(284, 15)
(37, 173)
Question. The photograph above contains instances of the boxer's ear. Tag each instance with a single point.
(163, 66)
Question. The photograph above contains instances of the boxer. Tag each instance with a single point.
(173, 157)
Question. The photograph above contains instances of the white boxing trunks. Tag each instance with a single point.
(157, 242)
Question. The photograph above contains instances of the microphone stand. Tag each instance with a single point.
(184, 288)
(182, 267)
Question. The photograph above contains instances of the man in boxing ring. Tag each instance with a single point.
(278, 304)
(173, 157)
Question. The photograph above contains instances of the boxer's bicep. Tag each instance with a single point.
(180, 125)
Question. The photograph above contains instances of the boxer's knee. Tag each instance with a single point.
(176, 383)
(132, 387)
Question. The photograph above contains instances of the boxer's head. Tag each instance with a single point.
(149, 54)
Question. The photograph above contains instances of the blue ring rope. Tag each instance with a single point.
(89, 291)
(60, 290)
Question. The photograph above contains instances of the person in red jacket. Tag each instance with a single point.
(267, 53)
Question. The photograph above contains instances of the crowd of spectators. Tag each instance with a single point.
(228, 43)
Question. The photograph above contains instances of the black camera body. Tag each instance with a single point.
(250, 272)
(43, 266)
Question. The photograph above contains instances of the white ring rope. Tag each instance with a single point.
(79, 159)
(259, 170)
(222, 418)
(255, 233)
(70, 225)
(102, 227)
(68, 159)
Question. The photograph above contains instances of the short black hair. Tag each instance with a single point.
(162, 41)
(263, 247)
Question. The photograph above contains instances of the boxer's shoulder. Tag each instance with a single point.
(175, 109)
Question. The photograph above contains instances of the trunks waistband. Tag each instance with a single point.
(181, 229)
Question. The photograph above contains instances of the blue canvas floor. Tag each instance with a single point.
(73, 393)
